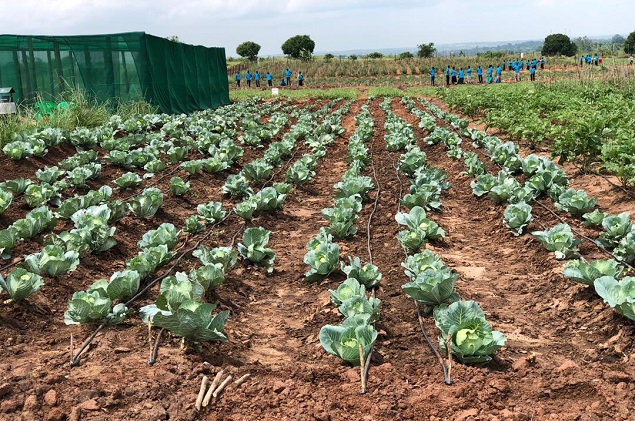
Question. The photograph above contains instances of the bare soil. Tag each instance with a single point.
(568, 356)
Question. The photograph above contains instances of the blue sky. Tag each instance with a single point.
(333, 25)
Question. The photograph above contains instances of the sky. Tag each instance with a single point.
(334, 25)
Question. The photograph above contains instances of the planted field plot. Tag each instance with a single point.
(154, 256)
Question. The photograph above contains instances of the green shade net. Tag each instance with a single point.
(177, 77)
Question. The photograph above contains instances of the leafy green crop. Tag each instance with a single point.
(21, 283)
(253, 247)
(473, 340)
(560, 240)
(576, 202)
(586, 273)
(178, 186)
(367, 274)
(517, 217)
(52, 261)
(322, 256)
(343, 341)
(620, 295)
(146, 204)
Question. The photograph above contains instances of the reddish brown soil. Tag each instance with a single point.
(568, 356)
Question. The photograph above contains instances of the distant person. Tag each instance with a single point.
(447, 76)
(300, 79)
(499, 71)
(461, 76)
(596, 59)
(479, 73)
(517, 72)
(490, 72)
(532, 74)
(283, 82)
(600, 60)
(257, 78)
(432, 73)
(504, 65)
(469, 74)
(287, 76)
(238, 79)
(630, 59)
(453, 74)
(248, 78)
(534, 63)
(542, 62)
(581, 60)
(269, 79)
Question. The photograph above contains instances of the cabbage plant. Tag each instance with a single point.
(299, 173)
(254, 247)
(594, 219)
(192, 225)
(620, 295)
(352, 185)
(36, 195)
(366, 274)
(432, 287)
(615, 227)
(226, 256)
(21, 283)
(472, 339)
(237, 185)
(343, 215)
(246, 208)
(53, 261)
(576, 202)
(178, 186)
(146, 204)
(212, 212)
(268, 199)
(17, 186)
(343, 341)
(586, 273)
(625, 250)
(165, 233)
(559, 239)
(6, 197)
(257, 170)
(128, 180)
(322, 256)
(412, 160)
(517, 217)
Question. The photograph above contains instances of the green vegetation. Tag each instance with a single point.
(558, 44)
(299, 46)
(249, 50)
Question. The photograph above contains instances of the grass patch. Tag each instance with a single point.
(423, 91)
(243, 94)
(14, 123)
(383, 92)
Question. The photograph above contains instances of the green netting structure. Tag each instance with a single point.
(177, 77)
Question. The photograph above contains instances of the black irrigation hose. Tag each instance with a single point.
(155, 349)
(584, 236)
(446, 378)
(75, 361)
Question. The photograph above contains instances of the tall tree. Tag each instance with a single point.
(558, 44)
(617, 39)
(426, 50)
(584, 44)
(629, 44)
(248, 49)
(298, 46)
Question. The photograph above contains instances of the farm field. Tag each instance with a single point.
(568, 355)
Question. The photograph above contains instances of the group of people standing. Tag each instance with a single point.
(589, 60)
(462, 76)
(285, 81)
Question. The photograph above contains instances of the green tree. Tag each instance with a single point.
(406, 55)
(374, 55)
(294, 46)
(352, 57)
(629, 44)
(426, 50)
(328, 57)
(617, 39)
(248, 49)
(558, 44)
(584, 44)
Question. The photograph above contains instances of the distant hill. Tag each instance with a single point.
(468, 48)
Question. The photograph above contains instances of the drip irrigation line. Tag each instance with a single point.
(625, 190)
(446, 378)
(155, 349)
(76, 359)
(370, 217)
(590, 240)
(10, 265)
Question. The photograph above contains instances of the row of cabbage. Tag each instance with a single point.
(179, 307)
(91, 213)
(353, 339)
(463, 326)
(544, 178)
